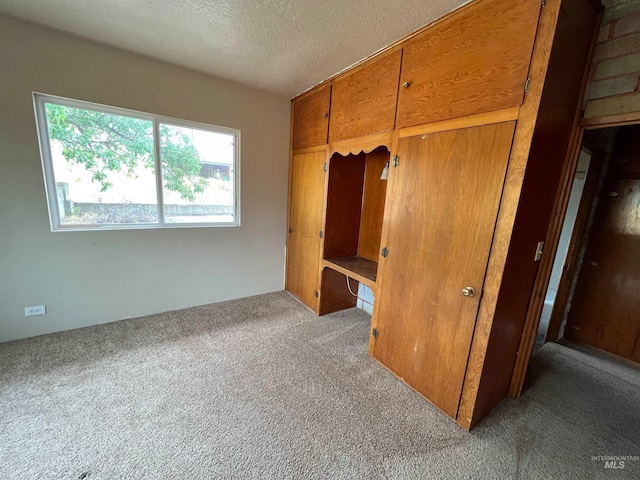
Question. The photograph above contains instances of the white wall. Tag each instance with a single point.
(86, 278)
(565, 239)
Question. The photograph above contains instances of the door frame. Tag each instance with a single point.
(536, 304)
(598, 155)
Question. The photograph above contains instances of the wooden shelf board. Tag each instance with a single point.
(358, 268)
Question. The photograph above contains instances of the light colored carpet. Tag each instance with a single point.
(261, 388)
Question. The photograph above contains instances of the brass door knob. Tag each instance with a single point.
(468, 292)
(325, 115)
(405, 84)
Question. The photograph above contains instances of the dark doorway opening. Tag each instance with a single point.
(594, 292)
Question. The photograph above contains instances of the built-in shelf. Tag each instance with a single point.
(361, 269)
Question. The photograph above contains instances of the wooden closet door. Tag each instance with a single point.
(443, 203)
(305, 222)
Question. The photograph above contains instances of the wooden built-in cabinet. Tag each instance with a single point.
(442, 208)
(353, 224)
(468, 114)
(364, 102)
(310, 119)
(470, 63)
(306, 199)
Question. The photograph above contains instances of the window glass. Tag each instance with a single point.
(103, 166)
(198, 172)
(107, 167)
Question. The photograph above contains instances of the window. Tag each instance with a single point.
(111, 168)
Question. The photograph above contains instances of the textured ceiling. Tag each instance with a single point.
(284, 46)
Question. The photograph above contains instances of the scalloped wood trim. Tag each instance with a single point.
(364, 144)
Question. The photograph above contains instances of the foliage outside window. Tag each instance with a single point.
(107, 168)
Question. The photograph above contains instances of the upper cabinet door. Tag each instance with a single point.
(364, 102)
(473, 62)
(311, 119)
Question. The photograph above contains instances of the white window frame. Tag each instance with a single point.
(39, 100)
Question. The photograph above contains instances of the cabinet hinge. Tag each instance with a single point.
(317, 293)
(544, 2)
(538, 254)
(326, 167)
(385, 252)
(321, 234)
(527, 84)
(374, 332)
(396, 161)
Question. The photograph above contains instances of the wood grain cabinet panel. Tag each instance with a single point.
(474, 61)
(311, 119)
(305, 222)
(364, 102)
(438, 245)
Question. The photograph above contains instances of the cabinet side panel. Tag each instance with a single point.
(373, 199)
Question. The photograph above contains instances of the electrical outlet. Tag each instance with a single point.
(38, 310)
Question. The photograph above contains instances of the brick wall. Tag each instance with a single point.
(615, 71)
